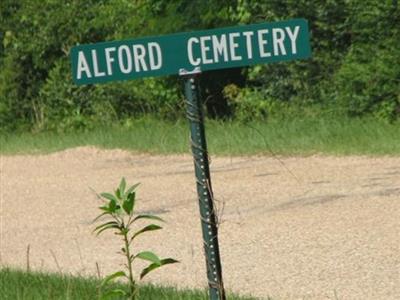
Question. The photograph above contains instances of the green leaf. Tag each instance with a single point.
(112, 206)
(153, 266)
(132, 188)
(149, 217)
(147, 270)
(111, 294)
(105, 208)
(101, 215)
(118, 193)
(129, 203)
(150, 227)
(168, 261)
(112, 277)
(109, 196)
(150, 256)
(122, 186)
(127, 206)
(131, 196)
(105, 226)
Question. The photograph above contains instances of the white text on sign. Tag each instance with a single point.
(215, 48)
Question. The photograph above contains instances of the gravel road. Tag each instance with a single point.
(317, 227)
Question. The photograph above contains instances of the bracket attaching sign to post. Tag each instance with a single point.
(208, 216)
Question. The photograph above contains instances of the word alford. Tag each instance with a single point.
(127, 59)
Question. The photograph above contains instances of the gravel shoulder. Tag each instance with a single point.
(317, 227)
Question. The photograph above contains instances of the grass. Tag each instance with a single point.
(337, 136)
(19, 285)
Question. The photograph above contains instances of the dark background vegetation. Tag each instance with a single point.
(354, 71)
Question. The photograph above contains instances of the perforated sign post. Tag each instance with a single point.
(188, 54)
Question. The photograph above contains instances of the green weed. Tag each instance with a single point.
(119, 207)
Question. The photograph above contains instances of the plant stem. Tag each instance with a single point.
(128, 256)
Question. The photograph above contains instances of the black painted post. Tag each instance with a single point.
(207, 212)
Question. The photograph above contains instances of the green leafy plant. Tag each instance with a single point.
(119, 211)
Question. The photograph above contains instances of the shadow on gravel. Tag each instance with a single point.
(306, 201)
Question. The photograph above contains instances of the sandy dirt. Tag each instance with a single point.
(300, 228)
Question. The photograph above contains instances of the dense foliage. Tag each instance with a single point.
(355, 67)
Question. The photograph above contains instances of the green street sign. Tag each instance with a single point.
(208, 49)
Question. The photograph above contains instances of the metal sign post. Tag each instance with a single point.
(203, 182)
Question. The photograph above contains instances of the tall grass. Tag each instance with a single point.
(19, 285)
(336, 136)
